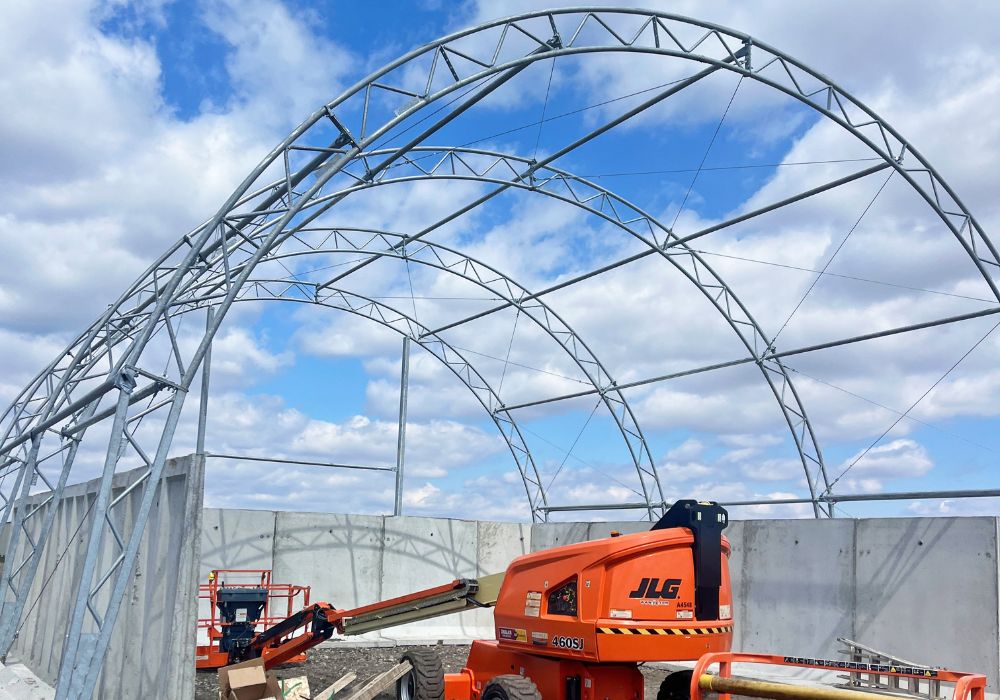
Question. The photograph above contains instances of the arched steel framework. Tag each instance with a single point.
(106, 375)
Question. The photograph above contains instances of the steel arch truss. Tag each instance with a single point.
(360, 139)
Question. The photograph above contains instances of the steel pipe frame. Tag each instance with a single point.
(832, 499)
(716, 290)
(853, 115)
(795, 416)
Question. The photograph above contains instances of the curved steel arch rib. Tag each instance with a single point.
(450, 68)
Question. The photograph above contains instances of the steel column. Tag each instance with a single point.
(404, 381)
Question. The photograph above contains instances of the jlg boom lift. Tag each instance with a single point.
(572, 622)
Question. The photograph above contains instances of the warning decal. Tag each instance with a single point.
(859, 666)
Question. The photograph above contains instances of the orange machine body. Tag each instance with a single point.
(587, 613)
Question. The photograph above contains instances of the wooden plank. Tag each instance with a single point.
(338, 685)
(382, 682)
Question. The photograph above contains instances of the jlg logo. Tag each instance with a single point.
(650, 588)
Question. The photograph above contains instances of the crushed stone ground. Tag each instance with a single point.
(328, 663)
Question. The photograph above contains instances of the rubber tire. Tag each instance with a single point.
(676, 686)
(511, 687)
(425, 681)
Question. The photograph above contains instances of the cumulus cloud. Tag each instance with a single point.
(895, 459)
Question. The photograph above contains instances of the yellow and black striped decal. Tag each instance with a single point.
(682, 631)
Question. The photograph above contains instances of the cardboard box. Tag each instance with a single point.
(247, 681)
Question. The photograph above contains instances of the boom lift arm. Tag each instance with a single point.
(279, 643)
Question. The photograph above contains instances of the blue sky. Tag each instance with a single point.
(175, 101)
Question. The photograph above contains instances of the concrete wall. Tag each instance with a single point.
(152, 649)
(925, 589)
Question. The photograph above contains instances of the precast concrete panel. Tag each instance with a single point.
(927, 591)
(423, 552)
(499, 544)
(549, 535)
(734, 533)
(237, 539)
(338, 556)
(795, 591)
(152, 647)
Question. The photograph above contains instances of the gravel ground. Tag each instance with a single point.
(327, 664)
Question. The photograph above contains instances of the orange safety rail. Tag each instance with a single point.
(968, 686)
(283, 599)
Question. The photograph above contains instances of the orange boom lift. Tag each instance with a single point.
(571, 622)
(574, 622)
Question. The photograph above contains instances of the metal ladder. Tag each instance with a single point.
(867, 657)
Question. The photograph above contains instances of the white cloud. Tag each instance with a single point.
(279, 64)
(896, 459)
(689, 449)
(236, 351)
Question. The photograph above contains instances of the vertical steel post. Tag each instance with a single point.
(206, 374)
(404, 380)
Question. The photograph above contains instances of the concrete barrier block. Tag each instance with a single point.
(423, 552)
(233, 539)
(499, 544)
(796, 585)
(548, 535)
(159, 605)
(339, 556)
(927, 591)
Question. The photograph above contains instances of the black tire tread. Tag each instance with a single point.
(676, 686)
(428, 674)
(514, 687)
